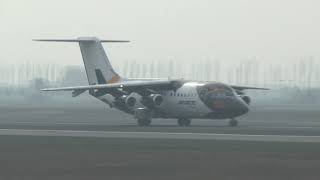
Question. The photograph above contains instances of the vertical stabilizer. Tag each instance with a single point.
(96, 62)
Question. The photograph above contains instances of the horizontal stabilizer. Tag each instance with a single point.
(83, 39)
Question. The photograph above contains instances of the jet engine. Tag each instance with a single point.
(152, 100)
(157, 99)
(246, 99)
(127, 101)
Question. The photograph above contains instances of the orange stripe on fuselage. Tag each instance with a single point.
(114, 79)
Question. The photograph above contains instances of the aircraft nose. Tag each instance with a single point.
(230, 106)
(239, 107)
(227, 107)
(243, 108)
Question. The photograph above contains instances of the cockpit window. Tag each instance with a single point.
(210, 93)
(229, 93)
(215, 90)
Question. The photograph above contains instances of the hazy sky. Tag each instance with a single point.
(184, 30)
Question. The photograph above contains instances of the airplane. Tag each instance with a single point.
(155, 98)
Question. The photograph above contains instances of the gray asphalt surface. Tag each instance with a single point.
(97, 143)
(162, 135)
(297, 121)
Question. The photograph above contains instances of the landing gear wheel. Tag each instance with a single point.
(187, 122)
(184, 122)
(143, 116)
(147, 122)
(144, 122)
(233, 123)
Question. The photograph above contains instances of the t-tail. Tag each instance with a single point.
(98, 67)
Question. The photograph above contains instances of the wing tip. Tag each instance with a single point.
(248, 88)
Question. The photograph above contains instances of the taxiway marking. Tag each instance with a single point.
(162, 135)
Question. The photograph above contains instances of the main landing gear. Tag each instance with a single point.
(184, 122)
(143, 116)
(144, 122)
(233, 122)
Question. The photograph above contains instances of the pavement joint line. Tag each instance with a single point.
(103, 124)
(162, 135)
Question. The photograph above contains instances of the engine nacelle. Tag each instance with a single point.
(128, 101)
(246, 99)
(157, 99)
(131, 101)
(152, 100)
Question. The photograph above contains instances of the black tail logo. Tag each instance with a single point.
(100, 78)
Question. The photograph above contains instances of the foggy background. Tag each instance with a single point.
(271, 44)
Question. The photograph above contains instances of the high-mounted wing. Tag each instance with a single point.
(241, 88)
(126, 86)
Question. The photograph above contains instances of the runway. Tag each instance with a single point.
(94, 143)
(293, 122)
(162, 135)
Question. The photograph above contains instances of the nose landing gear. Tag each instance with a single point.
(233, 122)
(184, 122)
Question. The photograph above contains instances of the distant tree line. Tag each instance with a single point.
(302, 73)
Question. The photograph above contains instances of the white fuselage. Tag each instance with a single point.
(184, 102)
